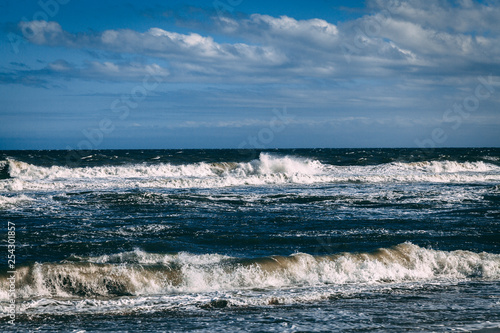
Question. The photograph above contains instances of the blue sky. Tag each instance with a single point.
(249, 74)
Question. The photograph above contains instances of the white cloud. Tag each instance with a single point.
(220, 124)
(154, 42)
(132, 71)
(442, 30)
(317, 32)
(42, 32)
(60, 66)
(104, 71)
(459, 17)
(414, 37)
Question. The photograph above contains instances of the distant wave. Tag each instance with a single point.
(267, 169)
(140, 273)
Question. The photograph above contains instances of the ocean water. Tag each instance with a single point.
(295, 240)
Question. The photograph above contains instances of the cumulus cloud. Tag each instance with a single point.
(313, 33)
(444, 33)
(415, 38)
(44, 33)
(462, 16)
(154, 42)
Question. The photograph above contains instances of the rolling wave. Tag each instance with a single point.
(139, 273)
(268, 169)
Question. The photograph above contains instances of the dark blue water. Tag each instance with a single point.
(280, 240)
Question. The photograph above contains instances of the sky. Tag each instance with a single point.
(249, 74)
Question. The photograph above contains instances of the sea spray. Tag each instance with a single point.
(141, 273)
(269, 169)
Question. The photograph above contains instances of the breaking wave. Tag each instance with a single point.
(138, 273)
(267, 169)
(7, 201)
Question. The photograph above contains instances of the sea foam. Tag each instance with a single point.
(268, 169)
(141, 273)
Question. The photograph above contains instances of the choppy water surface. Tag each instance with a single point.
(370, 240)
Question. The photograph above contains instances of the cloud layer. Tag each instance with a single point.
(412, 37)
(391, 74)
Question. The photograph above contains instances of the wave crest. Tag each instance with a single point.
(141, 273)
(267, 169)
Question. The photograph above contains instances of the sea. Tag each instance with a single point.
(277, 240)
